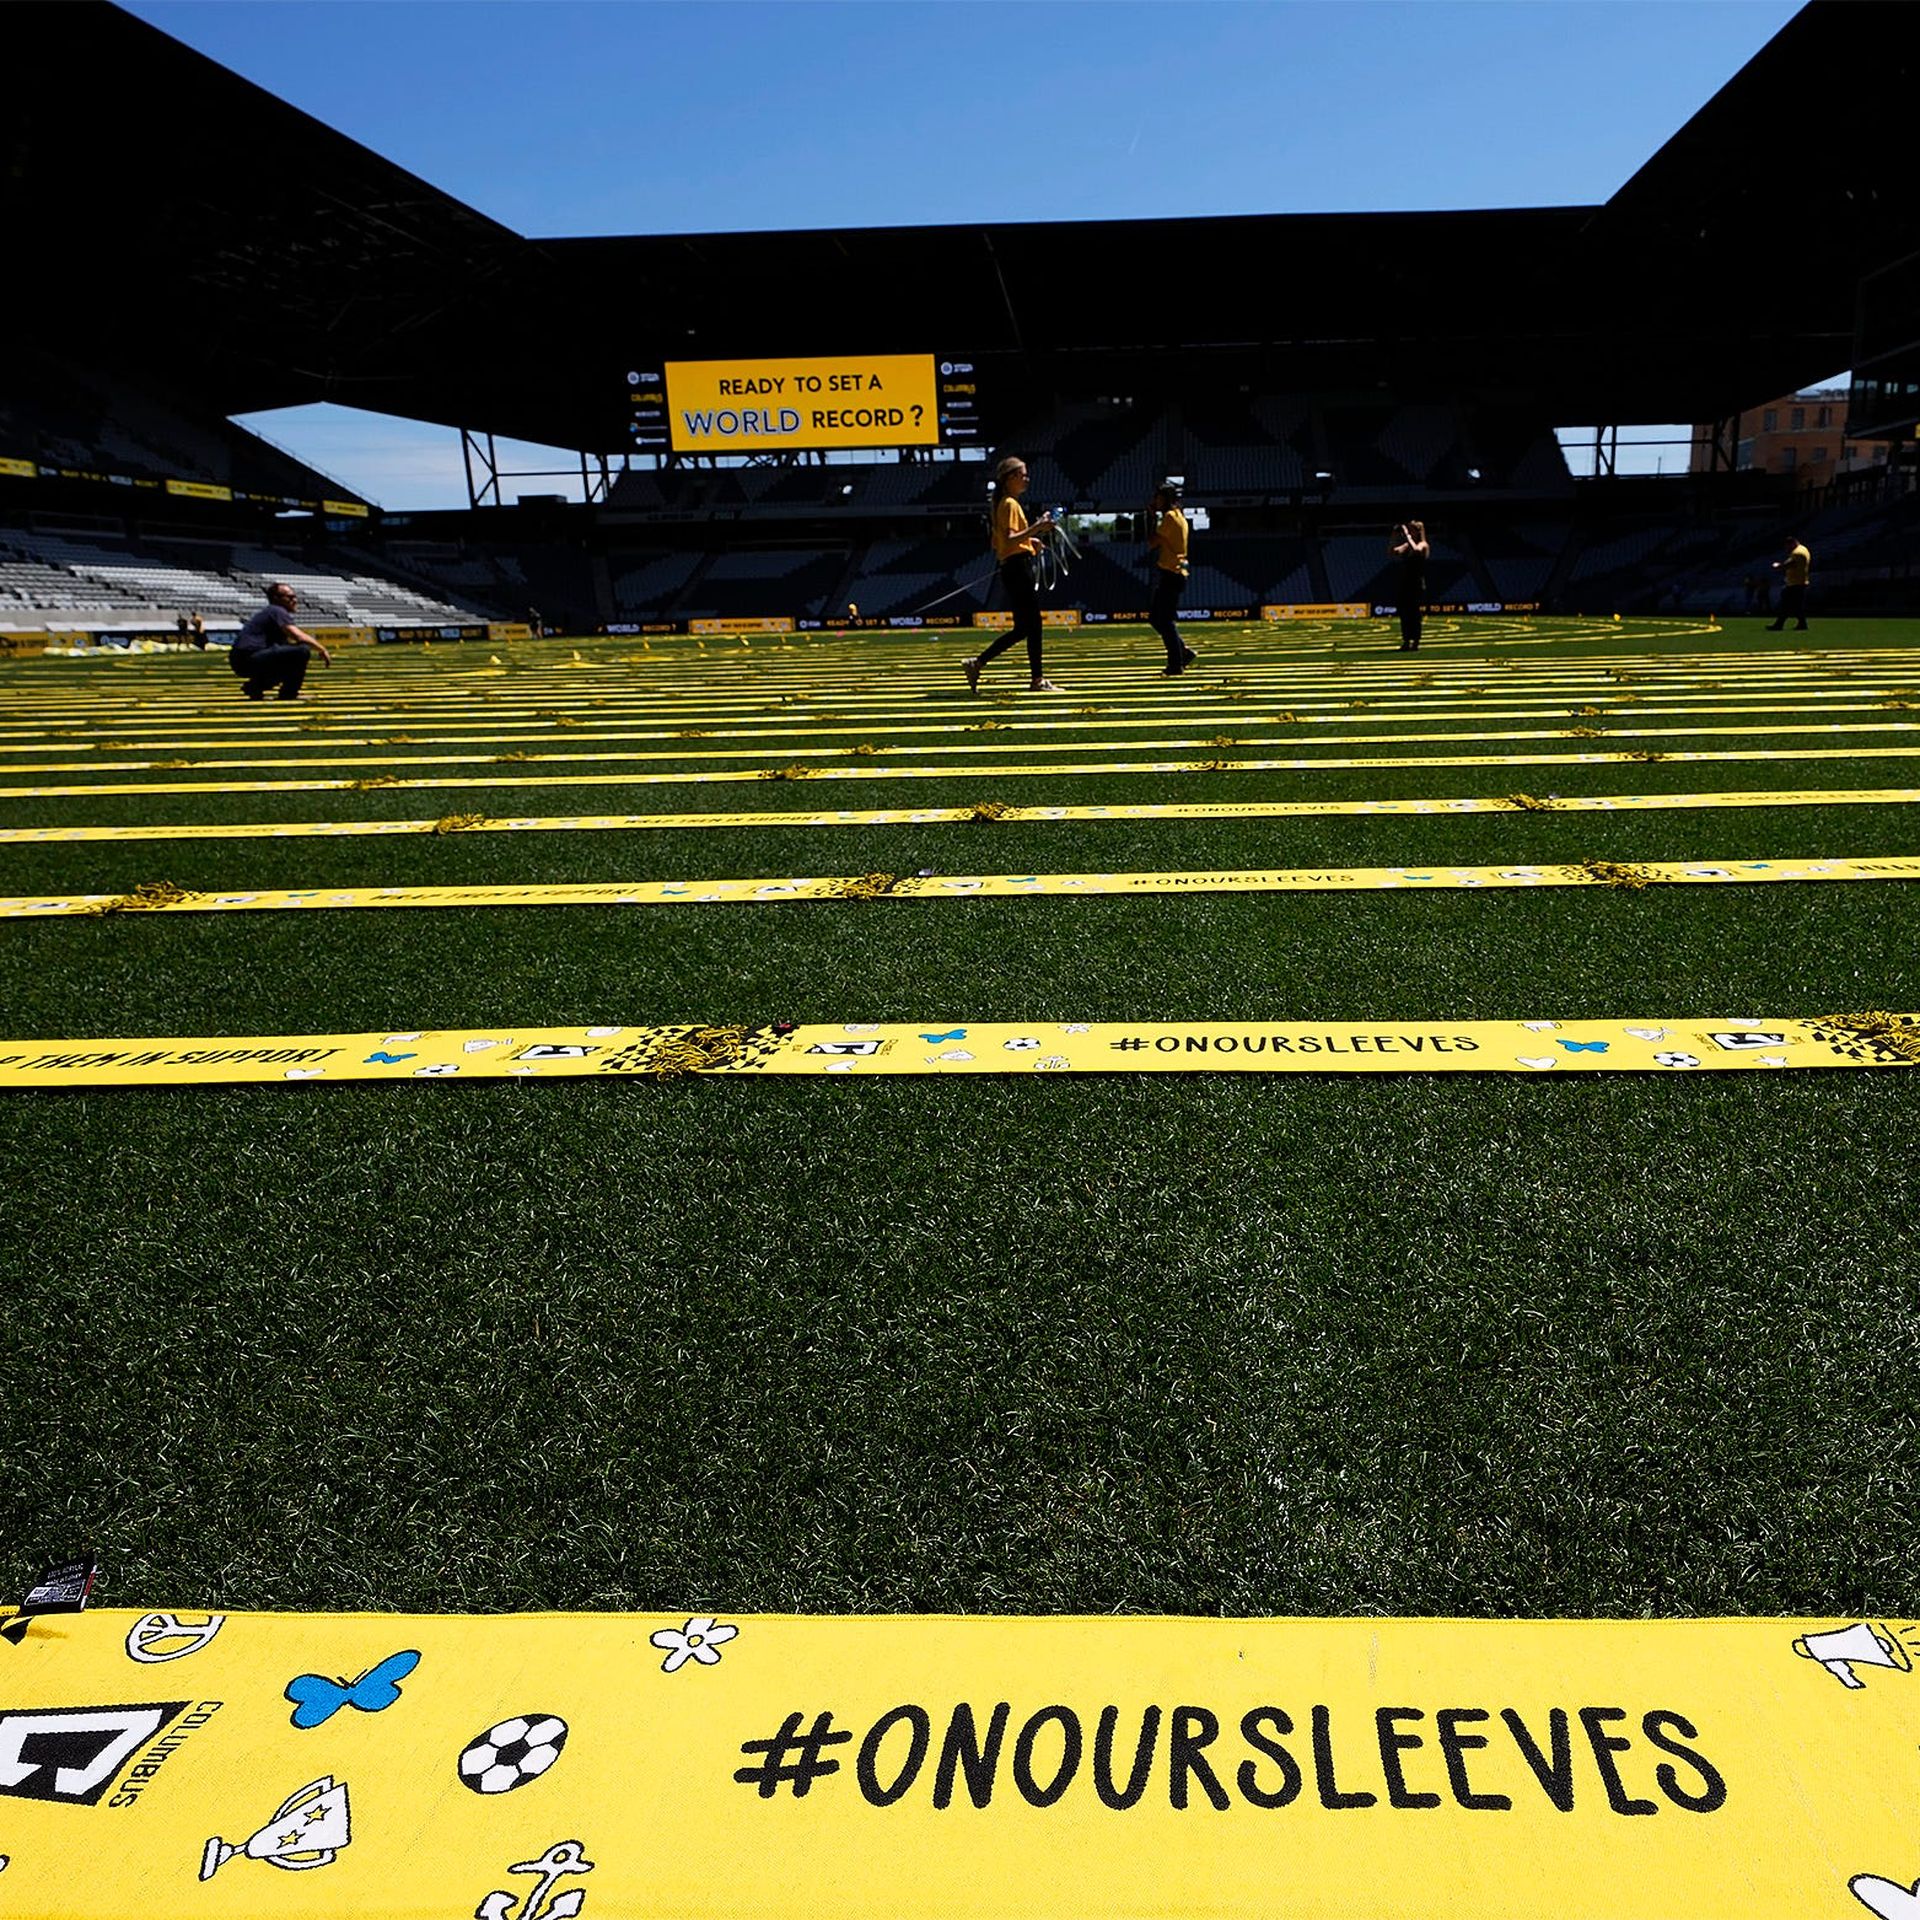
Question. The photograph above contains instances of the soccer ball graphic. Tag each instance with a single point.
(514, 1752)
(1677, 1059)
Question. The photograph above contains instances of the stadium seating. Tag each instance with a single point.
(47, 579)
(646, 585)
(903, 576)
(101, 420)
(1247, 450)
(747, 585)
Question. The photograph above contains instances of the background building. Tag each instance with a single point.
(1802, 434)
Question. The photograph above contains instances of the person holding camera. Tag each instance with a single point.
(1794, 572)
(1168, 545)
(1408, 544)
(1016, 546)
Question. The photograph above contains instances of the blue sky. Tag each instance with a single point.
(609, 116)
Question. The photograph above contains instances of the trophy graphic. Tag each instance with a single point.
(308, 1829)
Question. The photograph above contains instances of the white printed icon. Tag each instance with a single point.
(564, 1857)
(1886, 1898)
(700, 1639)
(1860, 1645)
(156, 1638)
(307, 1829)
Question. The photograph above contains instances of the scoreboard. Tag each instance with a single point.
(811, 405)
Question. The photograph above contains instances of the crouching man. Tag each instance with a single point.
(271, 651)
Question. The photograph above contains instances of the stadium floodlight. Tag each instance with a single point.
(1323, 479)
(1473, 473)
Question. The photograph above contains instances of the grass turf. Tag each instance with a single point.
(1318, 1345)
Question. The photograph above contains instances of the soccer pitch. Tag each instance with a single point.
(1314, 1344)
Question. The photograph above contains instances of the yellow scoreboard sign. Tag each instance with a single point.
(771, 406)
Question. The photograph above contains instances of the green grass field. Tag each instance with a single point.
(1196, 1344)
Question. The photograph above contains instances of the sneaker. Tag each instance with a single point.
(1043, 686)
(971, 668)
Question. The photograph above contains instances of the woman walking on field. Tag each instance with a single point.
(1015, 546)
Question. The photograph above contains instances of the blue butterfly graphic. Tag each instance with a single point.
(316, 1699)
(1584, 1046)
(934, 1039)
(387, 1059)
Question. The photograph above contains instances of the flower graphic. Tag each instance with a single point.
(698, 1640)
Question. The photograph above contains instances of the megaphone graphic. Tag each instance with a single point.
(1859, 1645)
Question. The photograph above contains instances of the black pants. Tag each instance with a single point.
(1793, 606)
(1411, 615)
(264, 667)
(1021, 579)
(1163, 608)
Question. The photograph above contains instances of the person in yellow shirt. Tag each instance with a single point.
(1016, 546)
(1169, 548)
(1793, 572)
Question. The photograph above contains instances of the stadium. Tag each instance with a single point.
(1339, 1290)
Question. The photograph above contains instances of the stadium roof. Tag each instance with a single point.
(171, 212)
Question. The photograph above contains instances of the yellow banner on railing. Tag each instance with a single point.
(199, 490)
(1340, 610)
(729, 1766)
(766, 624)
(1049, 617)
